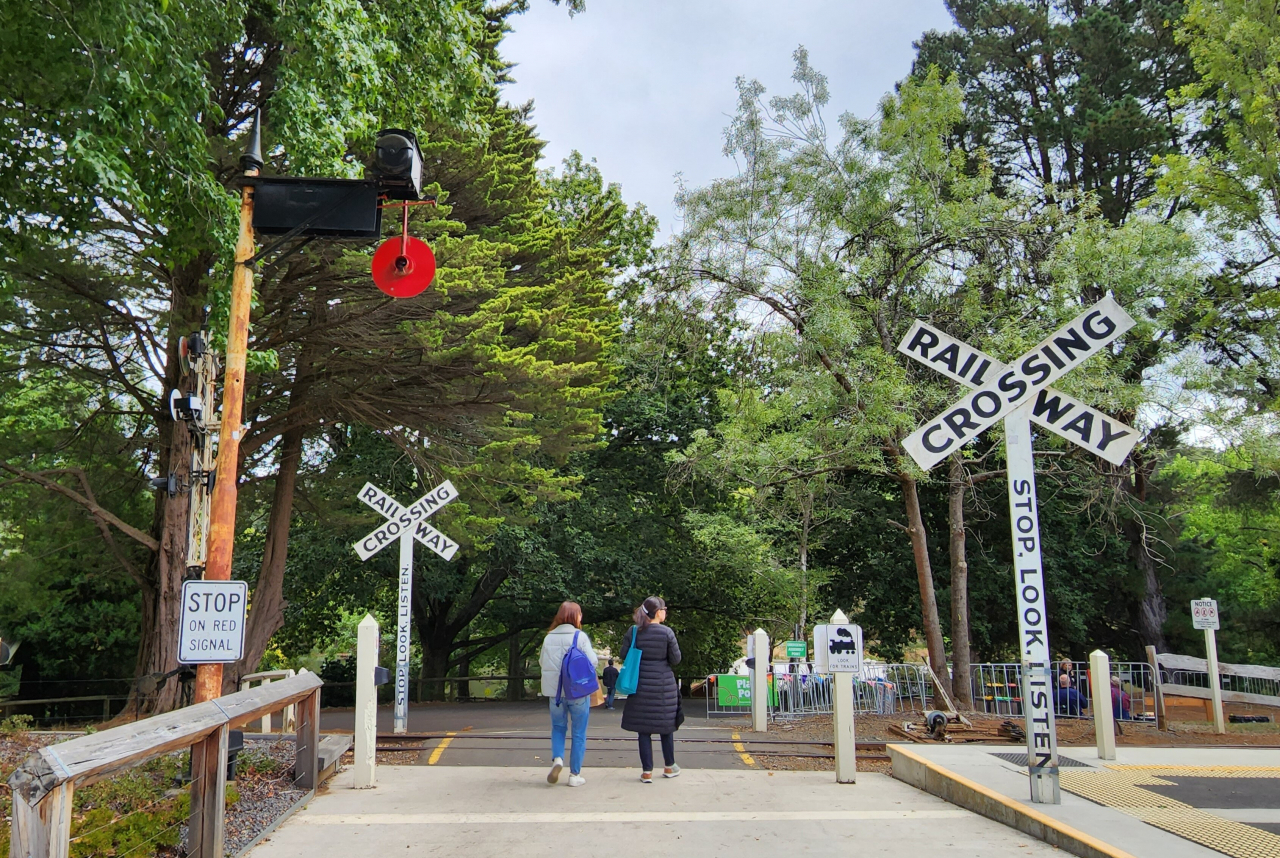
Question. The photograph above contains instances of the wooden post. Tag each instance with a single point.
(265, 725)
(760, 682)
(222, 510)
(366, 726)
(1153, 659)
(42, 831)
(1215, 682)
(206, 831)
(1104, 727)
(306, 765)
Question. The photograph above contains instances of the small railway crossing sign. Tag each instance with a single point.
(837, 648)
(1019, 393)
(404, 524)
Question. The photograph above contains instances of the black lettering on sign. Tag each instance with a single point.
(1021, 487)
(1035, 636)
(1108, 436)
(1050, 406)
(924, 340)
(950, 357)
(1051, 355)
(370, 494)
(1031, 593)
(1034, 366)
(963, 372)
(959, 420)
(1073, 342)
(1010, 383)
(1032, 617)
(1098, 326)
(979, 375)
(992, 401)
(1082, 426)
(929, 445)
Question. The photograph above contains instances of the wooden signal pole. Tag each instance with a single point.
(222, 515)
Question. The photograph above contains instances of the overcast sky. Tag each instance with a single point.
(646, 86)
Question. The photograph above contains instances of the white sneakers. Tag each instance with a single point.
(576, 780)
(554, 775)
(671, 771)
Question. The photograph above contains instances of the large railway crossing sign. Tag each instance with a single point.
(404, 524)
(1019, 393)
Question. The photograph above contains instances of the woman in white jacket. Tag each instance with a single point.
(559, 639)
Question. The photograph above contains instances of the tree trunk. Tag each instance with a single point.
(924, 575)
(153, 693)
(515, 667)
(267, 615)
(462, 690)
(960, 691)
(1152, 611)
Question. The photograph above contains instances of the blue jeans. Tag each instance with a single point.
(579, 710)
(608, 698)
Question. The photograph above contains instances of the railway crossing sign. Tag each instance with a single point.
(1019, 393)
(404, 524)
(837, 648)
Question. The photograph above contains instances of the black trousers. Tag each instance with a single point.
(646, 750)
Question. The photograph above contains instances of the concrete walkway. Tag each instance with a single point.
(1148, 803)
(514, 813)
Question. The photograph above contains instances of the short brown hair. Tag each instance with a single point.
(571, 613)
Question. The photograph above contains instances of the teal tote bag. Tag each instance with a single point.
(629, 676)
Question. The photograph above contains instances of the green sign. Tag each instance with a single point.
(797, 649)
(733, 690)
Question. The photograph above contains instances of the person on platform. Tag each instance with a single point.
(1121, 702)
(1068, 701)
(655, 705)
(610, 680)
(565, 628)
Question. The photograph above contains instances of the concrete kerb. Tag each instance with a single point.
(923, 774)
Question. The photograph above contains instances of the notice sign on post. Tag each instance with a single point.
(212, 621)
(1204, 613)
(796, 649)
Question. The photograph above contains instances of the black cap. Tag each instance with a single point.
(252, 157)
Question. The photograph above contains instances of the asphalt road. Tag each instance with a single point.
(518, 734)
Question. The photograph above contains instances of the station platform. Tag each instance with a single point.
(514, 813)
(1147, 803)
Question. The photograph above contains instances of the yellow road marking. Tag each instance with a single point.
(444, 743)
(742, 751)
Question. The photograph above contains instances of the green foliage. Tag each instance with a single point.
(16, 724)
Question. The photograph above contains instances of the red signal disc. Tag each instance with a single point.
(415, 272)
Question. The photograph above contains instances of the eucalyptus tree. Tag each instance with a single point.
(840, 243)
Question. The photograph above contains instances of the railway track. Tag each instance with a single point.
(755, 747)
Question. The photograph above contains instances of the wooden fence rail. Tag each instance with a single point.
(44, 784)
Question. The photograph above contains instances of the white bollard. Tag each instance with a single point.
(842, 719)
(366, 728)
(1215, 682)
(760, 682)
(1104, 727)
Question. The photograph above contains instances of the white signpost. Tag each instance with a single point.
(405, 524)
(1204, 615)
(837, 649)
(1019, 393)
(212, 623)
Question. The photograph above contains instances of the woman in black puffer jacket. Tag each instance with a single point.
(654, 705)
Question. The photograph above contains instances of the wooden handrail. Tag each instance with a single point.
(1170, 661)
(42, 786)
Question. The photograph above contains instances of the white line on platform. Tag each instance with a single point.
(619, 816)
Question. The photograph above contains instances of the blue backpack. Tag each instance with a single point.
(577, 674)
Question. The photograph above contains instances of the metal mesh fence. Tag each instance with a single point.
(997, 690)
(795, 691)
